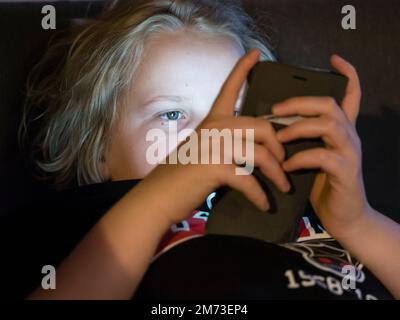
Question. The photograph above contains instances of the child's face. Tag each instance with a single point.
(180, 76)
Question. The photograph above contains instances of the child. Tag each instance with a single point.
(186, 61)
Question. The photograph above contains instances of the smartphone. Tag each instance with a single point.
(269, 83)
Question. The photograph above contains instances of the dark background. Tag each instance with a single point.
(304, 32)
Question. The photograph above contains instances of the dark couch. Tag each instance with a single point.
(305, 32)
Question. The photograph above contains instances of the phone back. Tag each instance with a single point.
(233, 214)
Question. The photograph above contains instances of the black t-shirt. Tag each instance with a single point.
(210, 266)
(233, 267)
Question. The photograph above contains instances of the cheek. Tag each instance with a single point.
(127, 155)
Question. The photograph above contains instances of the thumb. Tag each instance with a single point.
(351, 100)
(229, 93)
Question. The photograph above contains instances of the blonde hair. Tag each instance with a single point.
(74, 107)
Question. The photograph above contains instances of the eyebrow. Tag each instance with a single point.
(172, 98)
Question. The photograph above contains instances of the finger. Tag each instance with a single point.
(226, 100)
(352, 98)
(263, 130)
(270, 167)
(257, 155)
(332, 131)
(266, 134)
(308, 106)
(247, 184)
(327, 160)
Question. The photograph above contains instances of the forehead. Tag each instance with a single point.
(183, 61)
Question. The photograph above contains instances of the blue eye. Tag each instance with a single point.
(172, 115)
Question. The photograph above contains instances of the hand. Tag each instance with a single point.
(338, 195)
(184, 187)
